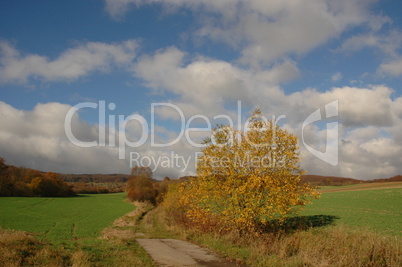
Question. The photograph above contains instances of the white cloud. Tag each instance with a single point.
(393, 68)
(370, 139)
(382, 148)
(265, 31)
(370, 123)
(362, 106)
(37, 139)
(70, 65)
(364, 153)
(200, 84)
(205, 82)
(388, 43)
(214, 84)
(118, 8)
(374, 158)
(207, 87)
(336, 77)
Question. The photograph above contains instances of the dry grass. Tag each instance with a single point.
(80, 259)
(335, 246)
(18, 248)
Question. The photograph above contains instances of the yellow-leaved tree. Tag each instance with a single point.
(244, 179)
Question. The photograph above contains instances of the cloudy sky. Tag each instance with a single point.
(94, 86)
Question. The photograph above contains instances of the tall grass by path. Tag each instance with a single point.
(377, 210)
(59, 219)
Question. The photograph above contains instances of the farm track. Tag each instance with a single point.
(39, 202)
(178, 253)
(164, 252)
(360, 187)
(45, 233)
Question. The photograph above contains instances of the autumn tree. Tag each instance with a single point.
(140, 186)
(11, 181)
(244, 179)
(3, 166)
(50, 185)
(6, 185)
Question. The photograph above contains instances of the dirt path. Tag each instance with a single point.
(177, 253)
(164, 252)
(360, 187)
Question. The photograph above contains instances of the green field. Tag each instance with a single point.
(59, 219)
(377, 209)
(71, 227)
(78, 217)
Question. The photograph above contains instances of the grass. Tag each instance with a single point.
(322, 246)
(377, 210)
(60, 219)
(367, 233)
(70, 231)
(347, 228)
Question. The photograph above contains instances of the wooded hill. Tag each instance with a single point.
(17, 182)
(319, 180)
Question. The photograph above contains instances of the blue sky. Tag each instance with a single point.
(287, 58)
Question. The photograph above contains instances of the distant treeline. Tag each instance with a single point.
(397, 178)
(96, 183)
(318, 180)
(98, 188)
(95, 178)
(17, 182)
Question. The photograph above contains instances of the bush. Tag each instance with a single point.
(171, 204)
(140, 186)
(245, 179)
